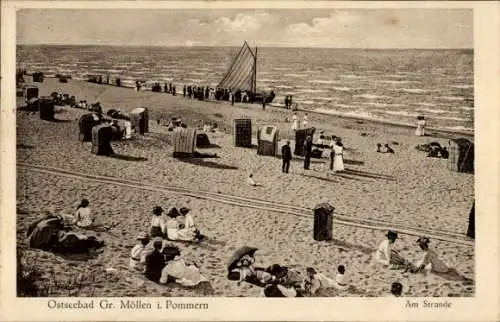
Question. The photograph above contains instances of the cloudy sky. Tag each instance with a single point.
(345, 28)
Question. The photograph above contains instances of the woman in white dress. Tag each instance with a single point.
(338, 159)
(83, 217)
(304, 121)
(128, 130)
(295, 122)
(420, 131)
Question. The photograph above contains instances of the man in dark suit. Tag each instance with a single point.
(307, 152)
(286, 152)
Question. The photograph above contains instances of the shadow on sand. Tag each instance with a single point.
(127, 157)
(353, 162)
(209, 146)
(208, 164)
(367, 175)
(345, 246)
(318, 177)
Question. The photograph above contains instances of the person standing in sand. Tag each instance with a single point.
(338, 159)
(420, 131)
(304, 121)
(307, 152)
(286, 153)
(295, 122)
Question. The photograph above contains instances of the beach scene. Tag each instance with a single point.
(247, 155)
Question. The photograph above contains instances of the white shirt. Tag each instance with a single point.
(250, 181)
(383, 253)
(136, 255)
(83, 217)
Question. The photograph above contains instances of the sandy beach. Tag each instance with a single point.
(404, 189)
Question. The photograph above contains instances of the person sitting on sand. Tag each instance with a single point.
(138, 252)
(379, 148)
(430, 261)
(157, 222)
(154, 261)
(128, 130)
(175, 229)
(396, 289)
(251, 182)
(385, 254)
(83, 217)
(177, 270)
(248, 272)
(388, 149)
(186, 222)
(443, 153)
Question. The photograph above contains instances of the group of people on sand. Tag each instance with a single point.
(281, 281)
(162, 263)
(389, 257)
(176, 225)
(296, 125)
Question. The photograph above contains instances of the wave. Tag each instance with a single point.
(385, 81)
(434, 111)
(466, 108)
(401, 113)
(342, 89)
(296, 75)
(382, 104)
(371, 96)
(321, 81)
(412, 90)
(453, 118)
(305, 102)
(459, 128)
(462, 86)
(311, 90)
(452, 98)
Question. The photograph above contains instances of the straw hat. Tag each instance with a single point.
(173, 212)
(184, 210)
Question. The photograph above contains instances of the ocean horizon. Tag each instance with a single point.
(394, 85)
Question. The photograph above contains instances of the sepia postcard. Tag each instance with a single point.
(185, 161)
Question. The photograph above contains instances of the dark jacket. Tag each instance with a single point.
(307, 147)
(155, 262)
(286, 152)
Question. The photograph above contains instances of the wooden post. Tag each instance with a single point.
(255, 73)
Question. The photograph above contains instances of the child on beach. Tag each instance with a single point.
(138, 252)
(396, 289)
(251, 182)
(248, 272)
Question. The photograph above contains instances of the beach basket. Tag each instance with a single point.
(461, 155)
(101, 140)
(300, 137)
(31, 92)
(267, 138)
(140, 120)
(243, 133)
(38, 77)
(46, 106)
(323, 222)
(184, 143)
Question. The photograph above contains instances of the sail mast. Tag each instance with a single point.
(255, 72)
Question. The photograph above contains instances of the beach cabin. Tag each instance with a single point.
(267, 138)
(46, 106)
(300, 137)
(323, 222)
(184, 143)
(243, 133)
(101, 139)
(461, 155)
(37, 77)
(85, 125)
(140, 120)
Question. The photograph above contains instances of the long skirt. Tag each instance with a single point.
(156, 232)
(338, 163)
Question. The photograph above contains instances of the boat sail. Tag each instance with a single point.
(242, 72)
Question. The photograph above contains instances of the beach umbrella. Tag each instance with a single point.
(238, 254)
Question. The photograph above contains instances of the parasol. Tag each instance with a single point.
(238, 254)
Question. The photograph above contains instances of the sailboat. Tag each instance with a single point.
(242, 76)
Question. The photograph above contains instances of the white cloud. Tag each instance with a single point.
(242, 23)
